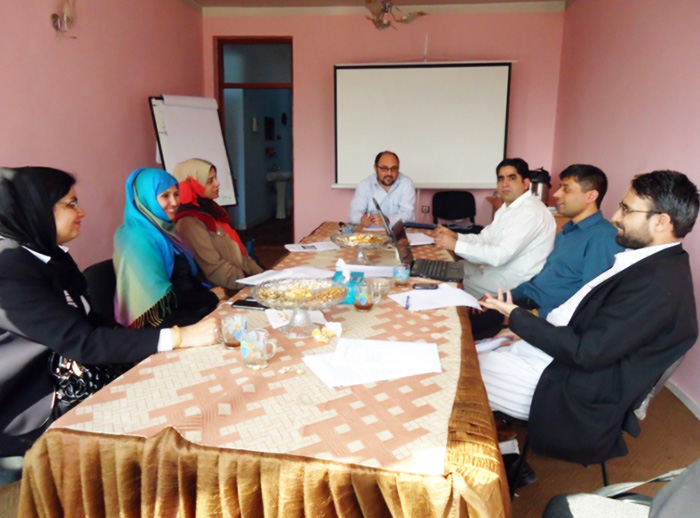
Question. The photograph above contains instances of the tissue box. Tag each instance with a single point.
(355, 279)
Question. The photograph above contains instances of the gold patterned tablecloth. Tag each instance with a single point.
(278, 442)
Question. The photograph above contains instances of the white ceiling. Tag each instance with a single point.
(344, 3)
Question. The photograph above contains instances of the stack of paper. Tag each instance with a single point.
(356, 362)
(444, 296)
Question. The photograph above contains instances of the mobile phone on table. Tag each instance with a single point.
(247, 304)
(424, 286)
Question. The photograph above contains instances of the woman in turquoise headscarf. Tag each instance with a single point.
(156, 274)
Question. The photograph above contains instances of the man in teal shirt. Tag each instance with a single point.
(583, 249)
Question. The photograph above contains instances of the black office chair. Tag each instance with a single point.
(516, 471)
(456, 208)
(102, 285)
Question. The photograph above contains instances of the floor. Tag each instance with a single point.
(670, 439)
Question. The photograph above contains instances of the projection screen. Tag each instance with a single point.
(447, 121)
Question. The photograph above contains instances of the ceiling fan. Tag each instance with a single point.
(383, 9)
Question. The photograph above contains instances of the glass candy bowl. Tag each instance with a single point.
(300, 295)
(362, 241)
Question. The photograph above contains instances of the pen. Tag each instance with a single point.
(408, 298)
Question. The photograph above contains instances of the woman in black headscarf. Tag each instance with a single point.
(44, 308)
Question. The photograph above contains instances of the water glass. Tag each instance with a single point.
(365, 297)
(257, 348)
(401, 275)
(232, 329)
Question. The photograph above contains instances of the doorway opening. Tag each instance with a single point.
(255, 93)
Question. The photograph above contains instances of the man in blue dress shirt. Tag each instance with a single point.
(393, 190)
(583, 249)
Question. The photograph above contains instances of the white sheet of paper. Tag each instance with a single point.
(297, 272)
(281, 317)
(374, 228)
(357, 362)
(443, 297)
(320, 246)
(418, 239)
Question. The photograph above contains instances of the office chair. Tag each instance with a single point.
(680, 497)
(514, 477)
(102, 286)
(456, 207)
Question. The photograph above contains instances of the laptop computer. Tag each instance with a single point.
(449, 271)
(385, 221)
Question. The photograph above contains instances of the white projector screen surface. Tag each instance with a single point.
(189, 127)
(446, 121)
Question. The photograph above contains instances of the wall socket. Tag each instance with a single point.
(425, 209)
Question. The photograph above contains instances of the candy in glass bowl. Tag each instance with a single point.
(300, 295)
(362, 241)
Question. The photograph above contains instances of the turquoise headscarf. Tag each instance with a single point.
(144, 252)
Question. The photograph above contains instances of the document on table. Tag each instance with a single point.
(320, 246)
(357, 362)
(418, 239)
(444, 296)
(297, 272)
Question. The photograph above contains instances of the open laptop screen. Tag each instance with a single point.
(402, 244)
(385, 220)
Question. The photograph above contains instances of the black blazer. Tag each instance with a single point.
(619, 341)
(35, 319)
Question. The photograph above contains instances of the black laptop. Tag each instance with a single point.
(449, 271)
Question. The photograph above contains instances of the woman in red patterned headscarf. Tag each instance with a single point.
(205, 226)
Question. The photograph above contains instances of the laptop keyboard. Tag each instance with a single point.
(430, 268)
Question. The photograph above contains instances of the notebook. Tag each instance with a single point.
(450, 271)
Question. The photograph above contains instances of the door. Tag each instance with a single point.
(255, 92)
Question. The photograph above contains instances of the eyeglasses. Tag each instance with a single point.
(386, 169)
(626, 210)
(70, 204)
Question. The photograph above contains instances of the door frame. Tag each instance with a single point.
(219, 42)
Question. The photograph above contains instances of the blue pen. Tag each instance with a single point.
(408, 298)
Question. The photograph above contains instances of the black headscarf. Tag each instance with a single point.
(27, 199)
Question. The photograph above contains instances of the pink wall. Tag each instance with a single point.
(319, 42)
(628, 103)
(81, 104)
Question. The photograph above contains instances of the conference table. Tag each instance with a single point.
(194, 433)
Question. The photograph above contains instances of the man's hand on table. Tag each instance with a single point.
(220, 292)
(371, 219)
(445, 238)
(200, 334)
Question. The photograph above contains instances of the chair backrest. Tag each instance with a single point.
(453, 205)
(102, 285)
(641, 410)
